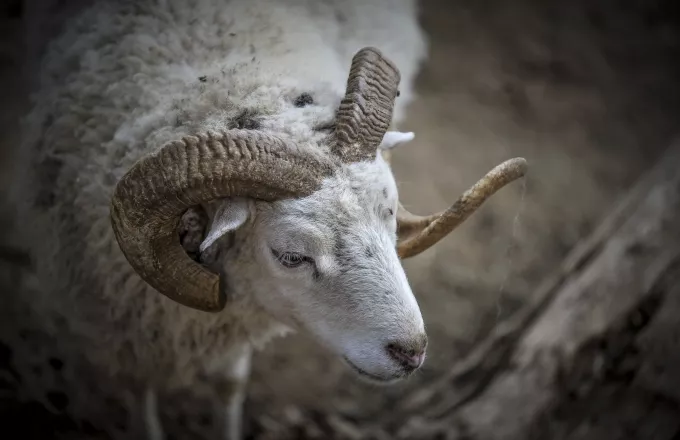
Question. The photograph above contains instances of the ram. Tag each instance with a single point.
(202, 176)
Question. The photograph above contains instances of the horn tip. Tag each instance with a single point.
(517, 166)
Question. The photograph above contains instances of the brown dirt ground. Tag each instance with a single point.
(586, 92)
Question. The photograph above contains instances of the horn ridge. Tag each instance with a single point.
(365, 112)
(149, 199)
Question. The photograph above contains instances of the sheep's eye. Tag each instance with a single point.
(290, 259)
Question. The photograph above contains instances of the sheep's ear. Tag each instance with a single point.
(229, 215)
(392, 139)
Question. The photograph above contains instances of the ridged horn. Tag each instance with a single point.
(365, 112)
(150, 198)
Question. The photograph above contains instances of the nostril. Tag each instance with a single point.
(406, 354)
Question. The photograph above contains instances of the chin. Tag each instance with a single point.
(376, 379)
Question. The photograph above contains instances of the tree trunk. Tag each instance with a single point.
(596, 355)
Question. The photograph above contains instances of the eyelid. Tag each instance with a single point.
(304, 259)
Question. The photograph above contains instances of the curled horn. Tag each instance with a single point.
(419, 233)
(150, 198)
(365, 112)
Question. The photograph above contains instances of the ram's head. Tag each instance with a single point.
(317, 238)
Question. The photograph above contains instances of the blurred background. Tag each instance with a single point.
(587, 91)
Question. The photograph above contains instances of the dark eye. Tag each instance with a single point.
(290, 259)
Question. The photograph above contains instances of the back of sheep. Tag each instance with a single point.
(122, 79)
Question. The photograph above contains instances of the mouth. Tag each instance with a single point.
(373, 377)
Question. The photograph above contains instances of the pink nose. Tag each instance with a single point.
(410, 356)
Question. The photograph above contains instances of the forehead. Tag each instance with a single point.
(363, 193)
(367, 183)
(358, 191)
(352, 217)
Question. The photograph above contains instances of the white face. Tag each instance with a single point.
(328, 264)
